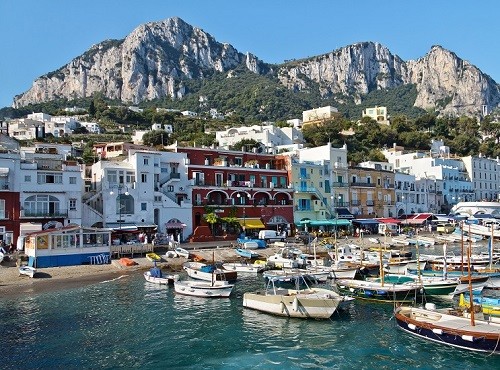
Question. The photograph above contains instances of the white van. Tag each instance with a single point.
(271, 236)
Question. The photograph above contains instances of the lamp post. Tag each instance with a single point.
(406, 208)
(120, 201)
(335, 216)
(244, 211)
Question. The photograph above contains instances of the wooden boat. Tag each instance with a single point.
(207, 272)
(380, 291)
(446, 328)
(204, 289)
(181, 252)
(153, 257)
(433, 285)
(127, 262)
(488, 305)
(313, 303)
(247, 253)
(27, 270)
(244, 267)
(458, 329)
(155, 275)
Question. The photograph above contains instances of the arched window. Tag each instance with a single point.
(124, 204)
(42, 205)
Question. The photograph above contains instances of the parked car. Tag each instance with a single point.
(303, 236)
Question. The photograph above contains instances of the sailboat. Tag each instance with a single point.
(455, 328)
(207, 289)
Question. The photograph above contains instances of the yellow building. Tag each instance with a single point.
(371, 192)
(378, 114)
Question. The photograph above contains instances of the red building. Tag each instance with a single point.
(9, 216)
(252, 187)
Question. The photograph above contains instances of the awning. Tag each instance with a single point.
(4, 171)
(340, 222)
(389, 220)
(251, 223)
(141, 225)
(175, 225)
(343, 213)
(122, 227)
(366, 221)
(419, 219)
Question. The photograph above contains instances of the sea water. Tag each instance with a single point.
(130, 323)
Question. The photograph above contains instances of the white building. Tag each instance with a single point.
(271, 137)
(50, 186)
(318, 114)
(485, 175)
(146, 190)
(92, 127)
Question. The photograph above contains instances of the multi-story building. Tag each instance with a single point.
(319, 115)
(485, 175)
(146, 190)
(251, 187)
(372, 190)
(378, 114)
(271, 137)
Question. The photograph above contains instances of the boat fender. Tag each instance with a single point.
(295, 304)
(468, 338)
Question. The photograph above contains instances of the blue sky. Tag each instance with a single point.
(39, 36)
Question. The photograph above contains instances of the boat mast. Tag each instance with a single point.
(490, 247)
(445, 272)
(462, 246)
(418, 263)
(471, 298)
(381, 267)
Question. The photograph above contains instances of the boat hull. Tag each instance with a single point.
(450, 330)
(243, 268)
(314, 306)
(194, 270)
(203, 290)
(165, 280)
(389, 293)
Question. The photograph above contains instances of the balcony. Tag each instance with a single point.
(175, 176)
(355, 202)
(340, 185)
(44, 214)
(370, 203)
(362, 184)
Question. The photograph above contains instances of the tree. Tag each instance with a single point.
(212, 219)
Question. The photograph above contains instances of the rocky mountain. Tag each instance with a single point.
(156, 59)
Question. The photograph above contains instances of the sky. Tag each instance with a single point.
(40, 36)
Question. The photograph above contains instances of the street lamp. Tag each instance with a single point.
(406, 208)
(120, 201)
(244, 211)
(335, 215)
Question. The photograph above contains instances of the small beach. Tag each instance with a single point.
(67, 277)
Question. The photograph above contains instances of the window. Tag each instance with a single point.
(170, 188)
(144, 206)
(47, 205)
(72, 180)
(49, 178)
(144, 177)
(157, 198)
(72, 204)
(112, 177)
(2, 208)
(124, 204)
(146, 161)
(27, 178)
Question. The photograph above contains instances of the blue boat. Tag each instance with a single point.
(246, 253)
(261, 244)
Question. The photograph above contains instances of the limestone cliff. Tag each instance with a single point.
(154, 60)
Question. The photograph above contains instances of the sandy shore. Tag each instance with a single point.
(57, 278)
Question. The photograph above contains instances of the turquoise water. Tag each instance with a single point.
(129, 323)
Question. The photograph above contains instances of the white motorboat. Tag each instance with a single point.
(27, 270)
(314, 303)
(213, 289)
(207, 272)
(155, 275)
(243, 267)
(181, 252)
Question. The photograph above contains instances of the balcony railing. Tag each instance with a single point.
(363, 184)
(340, 185)
(44, 214)
(175, 175)
(370, 203)
(355, 202)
